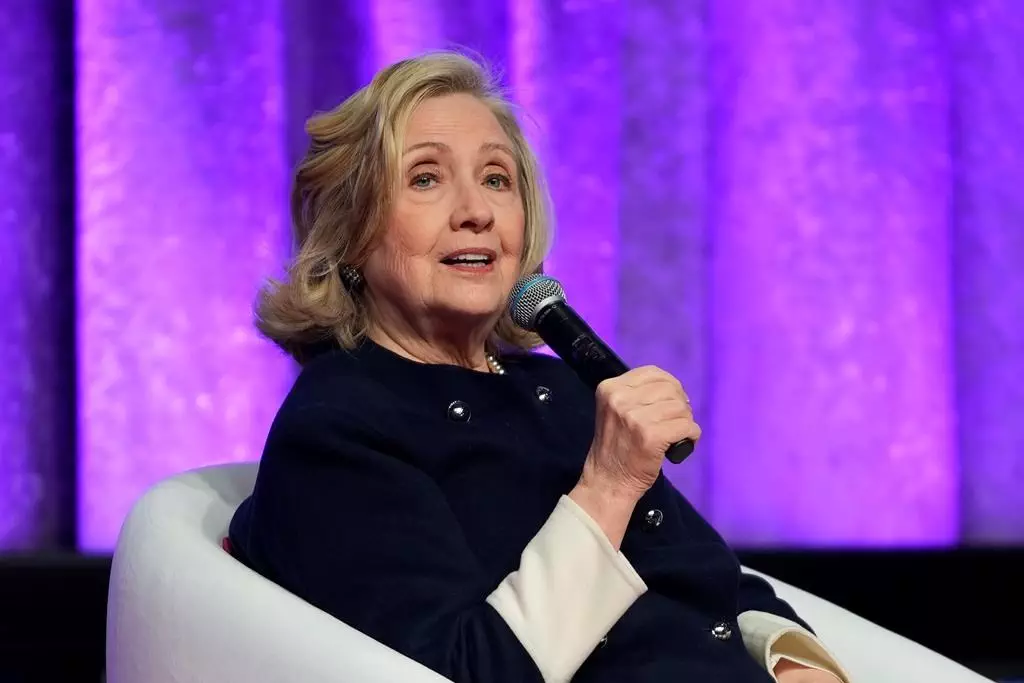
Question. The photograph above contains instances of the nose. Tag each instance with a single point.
(472, 210)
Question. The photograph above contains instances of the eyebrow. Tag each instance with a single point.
(440, 146)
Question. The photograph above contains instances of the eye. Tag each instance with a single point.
(424, 181)
(498, 181)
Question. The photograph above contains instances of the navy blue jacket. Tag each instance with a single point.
(380, 503)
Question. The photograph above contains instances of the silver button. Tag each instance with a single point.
(543, 394)
(653, 519)
(458, 411)
(721, 631)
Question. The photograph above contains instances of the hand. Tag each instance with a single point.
(639, 415)
(787, 671)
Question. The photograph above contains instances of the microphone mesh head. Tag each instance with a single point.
(524, 302)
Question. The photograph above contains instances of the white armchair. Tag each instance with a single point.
(181, 609)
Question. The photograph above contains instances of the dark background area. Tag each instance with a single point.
(962, 603)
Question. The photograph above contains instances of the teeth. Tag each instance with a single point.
(469, 258)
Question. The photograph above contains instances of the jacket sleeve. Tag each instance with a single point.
(757, 595)
(770, 627)
(754, 593)
(370, 539)
(772, 631)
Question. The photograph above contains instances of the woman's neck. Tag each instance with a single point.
(465, 353)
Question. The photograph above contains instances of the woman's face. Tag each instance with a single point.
(453, 241)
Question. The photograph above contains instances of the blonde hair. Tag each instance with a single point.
(343, 189)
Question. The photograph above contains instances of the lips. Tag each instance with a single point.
(470, 257)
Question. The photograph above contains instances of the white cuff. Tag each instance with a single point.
(770, 638)
(570, 589)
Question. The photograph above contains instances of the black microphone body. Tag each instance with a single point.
(565, 332)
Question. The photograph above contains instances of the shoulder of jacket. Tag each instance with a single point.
(340, 382)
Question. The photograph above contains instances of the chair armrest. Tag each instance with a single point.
(870, 653)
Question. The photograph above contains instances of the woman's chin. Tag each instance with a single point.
(471, 310)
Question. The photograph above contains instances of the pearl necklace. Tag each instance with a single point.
(496, 367)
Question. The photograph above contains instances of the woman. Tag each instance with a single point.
(474, 508)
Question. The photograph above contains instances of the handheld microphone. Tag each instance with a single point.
(537, 303)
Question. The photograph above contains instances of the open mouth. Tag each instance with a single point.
(470, 258)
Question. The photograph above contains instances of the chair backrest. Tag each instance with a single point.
(181, 609)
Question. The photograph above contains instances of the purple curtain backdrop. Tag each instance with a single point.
(830, 273)
(808, 211)
(182, 194)
(36, 277)
(988, 283)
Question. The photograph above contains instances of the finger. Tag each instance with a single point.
(675, 413)
(655, 392)
(671, 432)
(649, 377)
(629, 390)
(658, 413)
(644, 374)
(675, 430)
(650, 385)
(659, 392)
(668, 397)
(640, 376)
